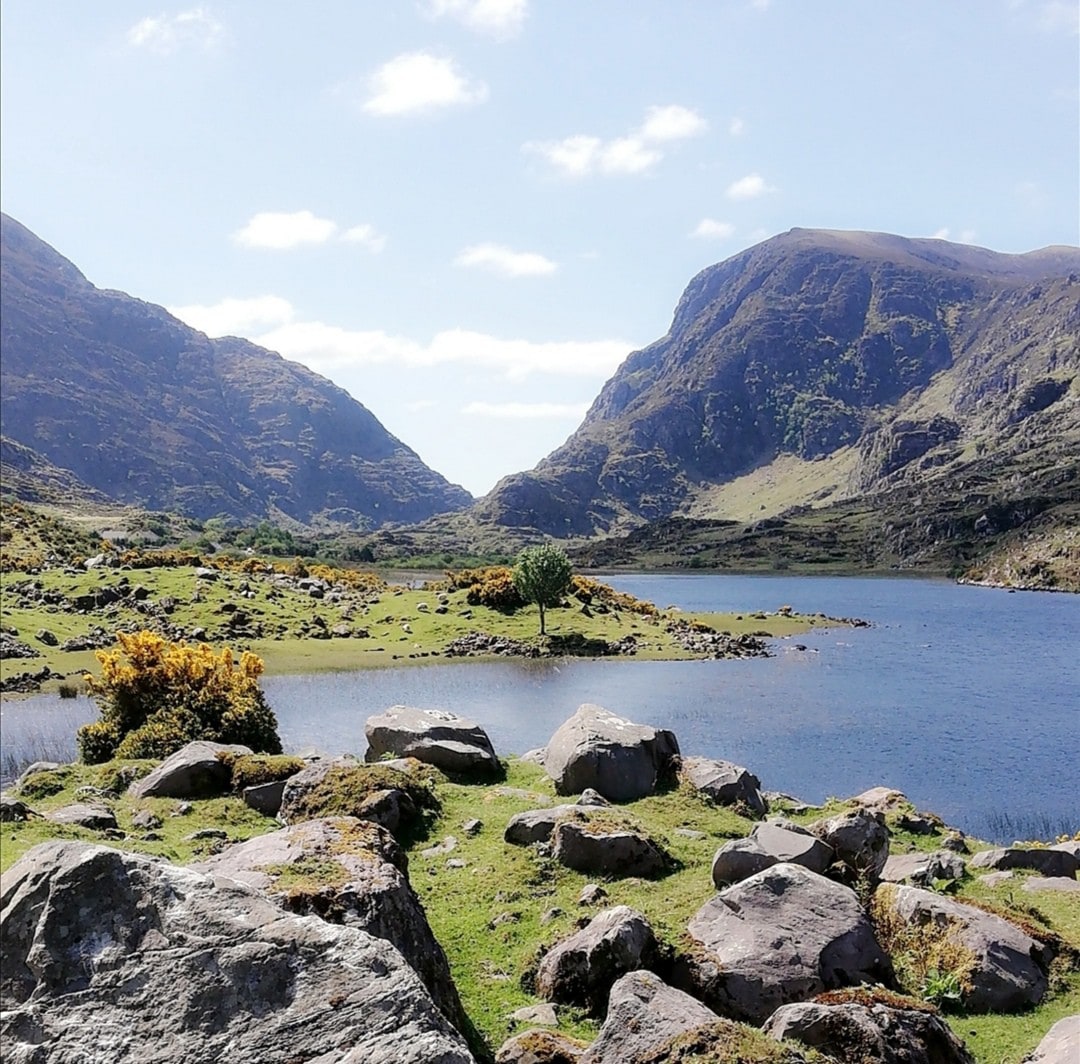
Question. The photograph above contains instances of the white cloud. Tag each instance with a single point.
(367, 236)
(583, 154)
(527, 411)
(736, 127)
(749, 187)
(499, 18)
(710, 229)
(941, 234)
(503, 260)
(277, 229)
(236, 317)
(419, 81)
(166, 34)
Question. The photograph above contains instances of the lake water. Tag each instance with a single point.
(967, 699)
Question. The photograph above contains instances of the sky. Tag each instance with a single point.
(468, 212)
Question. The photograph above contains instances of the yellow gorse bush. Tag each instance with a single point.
(155, 696)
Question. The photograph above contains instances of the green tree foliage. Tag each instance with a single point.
(543, 575)
(156, 696)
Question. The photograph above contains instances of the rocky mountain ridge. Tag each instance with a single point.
(146, 410)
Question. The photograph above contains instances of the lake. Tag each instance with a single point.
(967, 699)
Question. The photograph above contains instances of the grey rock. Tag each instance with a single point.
(388, 807)
(1056, 884)
(1047, 861)
(580, 970)
(923, 869)
(472, 827)
(644, 1014)
(592, 894)
(854, 1034)
(369, 889)
(995, 879)
(1073, 847)
(144, 820)
(1010, 967)
(620, 759)
(14, 811)
(724, 783)
(538, 825)
(43, 635)
(540, 1047)
(115, 956)
(956, 841)
(434, 736)
(34, 769)
(1061, 1045)
(534, 757)
(264, 798)
(881, 799)
(84, 814)
(591, 797)
(859, 839)
(194, 771)
(542, 1015)
(608, 853)
(769, 844)
(782, 935)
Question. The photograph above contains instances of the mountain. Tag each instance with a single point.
(136, 405)
(825, 368)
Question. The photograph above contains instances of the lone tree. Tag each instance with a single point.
(542, 575)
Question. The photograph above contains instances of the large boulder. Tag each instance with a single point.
(1047, 861)
(581, 969)
(769, 844)
(724, 783)
(537, 825)
(782, 935)
(1061, 1044)
(350, 872)
(644, 1014)
(117, 956)
(619, 759)
(860, 841)
(855, 1033)
(608, 851)
(434, 736)
(194, 771)
(1008, 967)
(93, 815)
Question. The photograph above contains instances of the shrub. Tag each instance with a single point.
(156, 696)
(497, 591)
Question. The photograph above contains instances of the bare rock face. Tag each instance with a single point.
(643, 1015)
(1061, 1044)
(360, 882)
(853, 1034)
(615, 757)
(860, 841)
(769, 844)
(782, 935)
(724, 782)
(581, 969)
(591, 850)
(195, 771)
(1009, 968)
(116, 956)
(433, 736)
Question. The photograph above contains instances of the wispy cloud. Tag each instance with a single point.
(282, 230)
(749, 187)
(509, 263)
(497, 18)
(584, 154)
(420, 81)
(710, 229)
(965, 236)
(736, 127)
(1050, 16)
(328, 349)
(169, 33)
(527, 411)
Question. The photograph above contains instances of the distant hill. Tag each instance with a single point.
(102, 390)
(932, 387)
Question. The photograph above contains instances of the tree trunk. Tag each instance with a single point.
(541, 605)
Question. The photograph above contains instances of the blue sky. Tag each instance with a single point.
(467, 212)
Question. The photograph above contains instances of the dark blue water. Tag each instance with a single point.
(966, 699)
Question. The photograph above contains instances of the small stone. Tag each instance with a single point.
(690, 833)
(542, 1015)
(592, 894)
(504, 918)
(206, 833)
(456, 862)
(472, 827)
(551, 914)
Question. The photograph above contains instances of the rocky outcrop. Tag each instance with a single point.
(581, 969)
(724, 783)
(1008, 968)
(434, 736)
(782, 935)
(195, 771)
(598, 749)
(854, 1033)
(114, 956)
(349, 872)
(771, 843)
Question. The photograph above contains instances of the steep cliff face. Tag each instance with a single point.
(917, 353)
(149, 411)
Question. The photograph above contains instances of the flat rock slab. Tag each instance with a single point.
(621, 760)
(724, 783)
(194, 771)
(922, 869)
(853, 1034)
(1055, 884)
(116, 956)
(783, 935)
(769, 844)
(434, 736)
(1009, 967)
(1061, 1044)
(84, 815)
(1047, 861)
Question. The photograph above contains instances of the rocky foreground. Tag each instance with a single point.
(307, 942)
